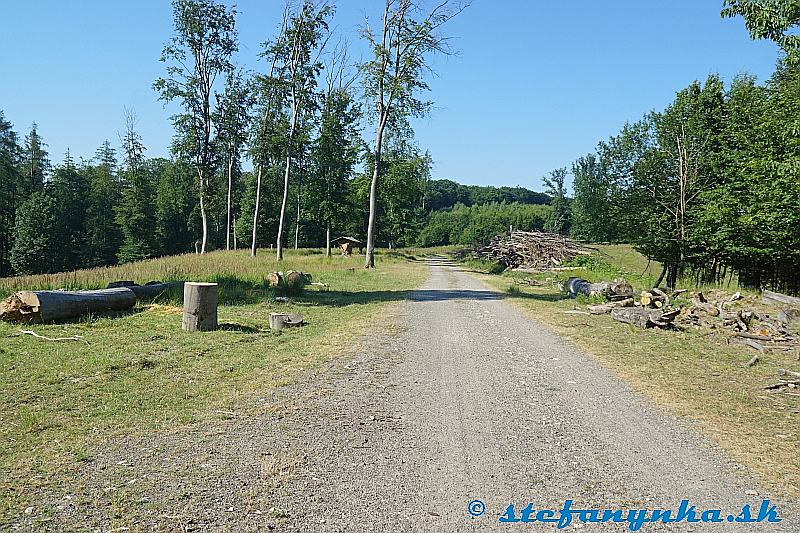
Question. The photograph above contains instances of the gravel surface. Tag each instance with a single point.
(458, 397)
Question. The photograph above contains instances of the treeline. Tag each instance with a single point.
(121, 206)
(469, 225)
(297, 121)
(710, 186)
(444, 194)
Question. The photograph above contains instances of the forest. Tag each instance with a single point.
(709, 187)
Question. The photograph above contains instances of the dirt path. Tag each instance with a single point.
(470, 400)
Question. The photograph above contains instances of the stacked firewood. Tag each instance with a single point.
(531, 250)
(760, 331)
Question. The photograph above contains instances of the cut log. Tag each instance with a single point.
(47, 306)
(618, 289)
(644, 318)
(603, 309)
(787, 316)
(149, 291)
(770, 297)
(284, 320)
(700, 303)
(199, 306)
(274, 279)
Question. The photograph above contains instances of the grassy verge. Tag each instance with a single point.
(694, 373)
(141, 372)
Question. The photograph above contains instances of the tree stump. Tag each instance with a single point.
(199, 306)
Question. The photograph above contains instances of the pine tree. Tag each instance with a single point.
(37, 247)
(9, 179)
(35, 163)
(135, 213)
(103, 233)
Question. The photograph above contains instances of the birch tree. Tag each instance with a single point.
(232, 118)
(205, 38)
(400, 48)
(297, 53)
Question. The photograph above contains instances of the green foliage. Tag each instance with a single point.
(776, 20)
(37, 234)
(474, 224)
(559, 215)
(708, 187)
(444, 194)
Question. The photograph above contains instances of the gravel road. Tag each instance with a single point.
(463, 399)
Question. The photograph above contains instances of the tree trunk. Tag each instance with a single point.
(255, 213)
(369, 259)
(328, 240)
(46, 306)
(199, 306)
(235, 245)
(279, 243)
(230, 198)
(203, 215)
(299, 192)
(286, 174)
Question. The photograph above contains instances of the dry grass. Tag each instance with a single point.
(694, 373)
(141, 372)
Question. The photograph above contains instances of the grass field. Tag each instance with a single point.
(695, 373)
(139, 371)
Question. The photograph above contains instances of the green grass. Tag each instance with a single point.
(141, 372)
(695, 373)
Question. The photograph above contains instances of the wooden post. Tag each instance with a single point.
(199, 306)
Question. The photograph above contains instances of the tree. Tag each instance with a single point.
(589, 209)
(200, 52)
(9, 183)
(776, 20)
(232, 120)
(266, 146)
(69, 189)
(335, 151)
(36, 236)
(35, 163)
(296, 52)
(104, 193)
(556, 188)
(399, 49)
(135, 212)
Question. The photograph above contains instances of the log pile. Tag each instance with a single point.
(531, 250)
(290, 282)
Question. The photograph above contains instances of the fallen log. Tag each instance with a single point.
(148, 291)
(770, 297)
(603, 309)
(619, 289)
(784, 372)
(642, 317)
(48, 306)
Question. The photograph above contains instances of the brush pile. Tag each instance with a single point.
(531, 250)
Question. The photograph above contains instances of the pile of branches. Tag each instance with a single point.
(531, 250)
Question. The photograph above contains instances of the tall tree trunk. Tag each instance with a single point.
(328, 240)
(369, 259)
(279, 244)
(255, 213)
(235, 246)
(297, 222)
(203, 214)
(230, 197)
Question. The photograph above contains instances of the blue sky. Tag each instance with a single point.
(536, 84)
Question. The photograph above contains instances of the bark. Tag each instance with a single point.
(255, 213)
(200, 306)
(203, 214)
(328, 240)
(230, 201)
(369, 260)
(47, 306)
(778, 298)
(150, 291)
